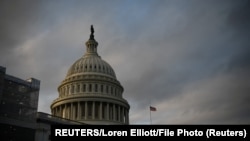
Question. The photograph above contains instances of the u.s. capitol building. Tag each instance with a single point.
(90, 92)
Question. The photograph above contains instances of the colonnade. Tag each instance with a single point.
(89, 87)
(92, 110)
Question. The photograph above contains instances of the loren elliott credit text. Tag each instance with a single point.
(102, 132)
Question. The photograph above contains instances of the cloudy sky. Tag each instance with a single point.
(188, 58)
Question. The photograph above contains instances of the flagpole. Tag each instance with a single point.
(151, 108)
(150, 120)
(150, 116)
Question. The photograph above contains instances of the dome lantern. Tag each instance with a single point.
(91, 44)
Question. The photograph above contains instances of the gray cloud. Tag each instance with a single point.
(188, 58)
(21, 20)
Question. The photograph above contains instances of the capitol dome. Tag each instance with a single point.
(91, 64)
(90, 92)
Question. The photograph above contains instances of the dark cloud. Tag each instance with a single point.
(239, 16)
(20, 20)
(206, 45)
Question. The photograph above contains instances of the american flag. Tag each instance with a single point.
(152, 108)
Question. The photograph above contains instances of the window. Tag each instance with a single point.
(78, 88)
(96, 87)
(22, 89)
(107, 89)
(90, 87)
(68, 90)
(101, 88)
(73, 89)
(84, 88)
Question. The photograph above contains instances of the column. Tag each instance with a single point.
(60, 111)
(128, 115)
(86, 110)
(114, 112)
(66, 111)
(63, 115)
(71, 111)
(122, 114)
(57, 109)
(127, 120)
(107, 111)
(119, 113)
(79, 110)
(100, 111)
(74, 111)
(93, 109)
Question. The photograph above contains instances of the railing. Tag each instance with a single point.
(56, 119)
